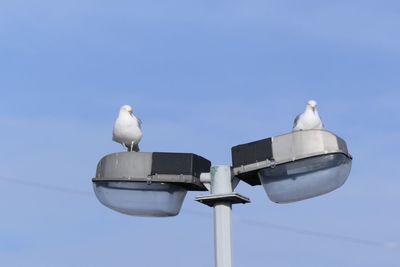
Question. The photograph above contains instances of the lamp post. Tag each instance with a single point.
(290, 167)
(221, 199)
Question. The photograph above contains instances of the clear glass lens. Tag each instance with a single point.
(141, 199)
(306, 178)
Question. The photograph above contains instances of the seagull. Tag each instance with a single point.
(127, 129)
(309, 119)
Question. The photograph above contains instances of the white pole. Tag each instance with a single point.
(221, 183)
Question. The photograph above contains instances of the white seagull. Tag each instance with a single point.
(309, 119)
(127, 129)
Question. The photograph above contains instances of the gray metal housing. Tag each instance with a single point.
(249, 158)
(183, 169)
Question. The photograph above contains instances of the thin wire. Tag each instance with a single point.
(306, 232)
(262, 224)
(47, 186)
(338, 237)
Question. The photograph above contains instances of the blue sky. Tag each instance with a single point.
(203, 76)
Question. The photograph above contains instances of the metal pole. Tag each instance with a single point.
(221, 183)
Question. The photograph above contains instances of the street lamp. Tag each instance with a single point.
(148, 184)
(290, 167)
(294, 166)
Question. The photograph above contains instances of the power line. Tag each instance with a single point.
(262, 224)
(47, 186)
(338, 237)
(306, 232)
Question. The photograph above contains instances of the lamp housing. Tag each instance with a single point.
(295, 166)
(150, 184)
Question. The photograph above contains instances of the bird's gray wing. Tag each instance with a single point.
(139, 123)
(322, 122)
(296, 120)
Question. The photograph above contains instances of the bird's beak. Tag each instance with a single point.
(313, 109)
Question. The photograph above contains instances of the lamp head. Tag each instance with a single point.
(148, 184)
(294, 166)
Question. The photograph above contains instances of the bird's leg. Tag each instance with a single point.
(123, 145)
(132, 143)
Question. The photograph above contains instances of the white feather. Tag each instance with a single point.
(309, 119)
(127, 128)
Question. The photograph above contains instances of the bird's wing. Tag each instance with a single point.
(296, 120)
(114, 137)
(322, 123)
(139, 123)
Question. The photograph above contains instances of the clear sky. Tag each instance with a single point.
(203, 76)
